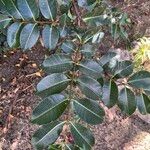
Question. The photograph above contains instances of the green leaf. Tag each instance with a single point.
(141, 80)
(82, 136)
(3, 8)
(91, 68)
(90, 2)
(4, 21)
(48, 9)
(50, 109)
(64, 23)
(114, 31)
(28, 9)
(58, 63)
(123, 69)
(55, 147)
(106, 58)
(50, 37)
(127, 101)
(71, 147)
(13, 34)
(143, 103)
(89, 111)
(52, 84)
(110, 93)
(90, 87)
(29, 36)
(12, 9)
(47, 135)
(87, 50)
(68, 46)
(97, 38)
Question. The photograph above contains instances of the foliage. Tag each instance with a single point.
(77, 78)
(3, 41)
(142, 52)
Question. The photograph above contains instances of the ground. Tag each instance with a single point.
(19, 74)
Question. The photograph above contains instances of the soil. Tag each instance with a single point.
(19, 74)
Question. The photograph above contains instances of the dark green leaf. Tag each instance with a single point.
(52, 84)
(114, 31)
(4, 21)
(106, 58)
(13, 34)
(143, 103)
(47, 135)
(50, 109)
(87, 50)
(58, 63)
(68, 46)
(89, 111)
(140, 79)
(90, 2)
(48, 8)
(12, 9)
(90, 87)
(3, 9)
(29, 36)
(127, 101)
(91, 68)
(110, 93)
(64, 23)
(82, 136)
(50, 37)
(28, 9)
(123, 69)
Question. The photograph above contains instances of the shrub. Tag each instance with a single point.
(77, 80)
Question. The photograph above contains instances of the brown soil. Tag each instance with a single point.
(19, 74)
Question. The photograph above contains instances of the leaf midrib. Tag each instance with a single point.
(45, 112)
(80, 134)
(88, 109)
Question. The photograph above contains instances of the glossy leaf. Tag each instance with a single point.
(106, 58)
(123, 69)
(97, 38)
(48, 9)
(87, 50)
(12, 9)
(50, 37)
(52, 84)
(58, 63)
(127, 101)
(29, 36)
(50, 109)
(91, 68)
(28, 9)
(110, 93)
(89, 111)
(13, 34)
(143, 103)
(68, 46)
(90, 87)
(64, 23)
(140, 79)
(47, 135)
(90, 2)
(4, 21)
(3, 9)
(82, 136)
